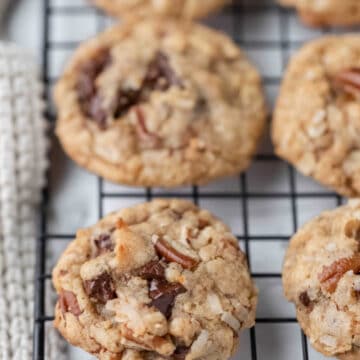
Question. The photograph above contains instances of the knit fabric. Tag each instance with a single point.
(23, 162)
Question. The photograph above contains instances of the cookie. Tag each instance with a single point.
(316, 121)
(326, 12)
(160, 103)
(188, 9)
(159, 280)
(321, 276)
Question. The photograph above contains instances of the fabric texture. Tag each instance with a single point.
(23, 163)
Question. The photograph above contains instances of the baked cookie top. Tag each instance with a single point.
(327, 12)
(316, 122)
(321, 276)
(144, 8)
(159, 280)
(160, 103)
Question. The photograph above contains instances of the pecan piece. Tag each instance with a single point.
(100, 289)
(68, 303)
(174, 252)
(162, 345)
(163, 295)
(152, 270)
(352, 229)
(149, 138)
(331, 274)
(348, 81)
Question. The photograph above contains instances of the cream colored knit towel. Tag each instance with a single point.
(23, 162)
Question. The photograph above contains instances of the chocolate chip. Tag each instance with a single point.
(152, 270)
(68, 303)
(180, 353)
(163, 295)
(90, 101)
(160, 76)
(126, 99)
(304, 299)
(96, 111)
(103, 244)
(100, 289)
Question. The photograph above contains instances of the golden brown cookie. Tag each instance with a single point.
(321, 276)
(327, 12)
(316, 124)
(160, 103)
(188, 9)
(159, 280)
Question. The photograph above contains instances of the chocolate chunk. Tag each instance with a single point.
(163, 295)
(180, 353)
(96, 111)
(152, 270)
(160, 76)
(304, 299)
(90, 101)
(103, 244)
(100, 289)
(125, 99)
(68, 303)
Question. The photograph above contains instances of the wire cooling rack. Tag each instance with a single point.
(263, 206)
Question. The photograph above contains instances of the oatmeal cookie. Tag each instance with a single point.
(159, 280)
(160, 103)
(321, 276)
(188, 9)
(316, 123)
(327, 12)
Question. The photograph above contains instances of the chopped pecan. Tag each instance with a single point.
(331, 274)
(159, 344)
(175, 253)
(149, 138)
(152, 270)
(100, 289)
(163, 295)
(103, 244)
(352, 229)
(202, 224)
(68, 303)
(348, 81)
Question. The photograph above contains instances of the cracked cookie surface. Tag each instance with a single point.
(316, 122)
(189, 9)
(161, 280)
(321, 276)
(160, 103)
(326, 12)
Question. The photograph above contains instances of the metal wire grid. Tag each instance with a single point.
(237, 11)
